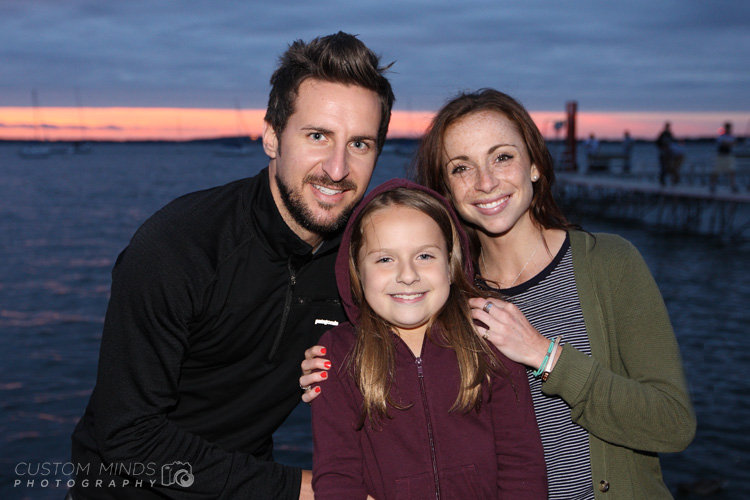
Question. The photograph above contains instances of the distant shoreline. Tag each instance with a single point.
(246, 140)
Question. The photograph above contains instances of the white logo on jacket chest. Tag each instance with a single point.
(327, 322)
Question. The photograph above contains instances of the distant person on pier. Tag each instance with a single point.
(627, 150)
(664, 143)
(591, 146)
(725, 164)
(677, 153)
(581, 311)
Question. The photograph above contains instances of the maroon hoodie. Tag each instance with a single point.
(426, 451)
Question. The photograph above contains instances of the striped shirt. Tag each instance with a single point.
(550, 303)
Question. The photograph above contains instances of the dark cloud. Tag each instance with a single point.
(635, 55)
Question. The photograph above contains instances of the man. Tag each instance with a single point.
(664, 143)
(724, 159)
(219, 293)
(592, 148)
(627, 151)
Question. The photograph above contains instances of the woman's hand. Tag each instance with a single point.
(509, 331)
(314, 371)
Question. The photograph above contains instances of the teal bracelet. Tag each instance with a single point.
(546, 358)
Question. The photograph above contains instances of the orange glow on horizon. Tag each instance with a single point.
(123, 124)
(182, 124)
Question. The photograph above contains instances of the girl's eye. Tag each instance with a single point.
(425, 256)
(458, 169)
(383, 259)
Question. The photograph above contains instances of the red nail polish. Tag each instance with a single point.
(327, 364)
(322, 350)
(317, 389)
(323, 374)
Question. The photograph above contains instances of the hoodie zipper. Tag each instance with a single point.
(287, 307)
(420, 374)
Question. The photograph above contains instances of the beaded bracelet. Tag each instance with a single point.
(544, 361)
(548, 366)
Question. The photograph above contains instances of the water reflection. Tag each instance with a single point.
(67, 230)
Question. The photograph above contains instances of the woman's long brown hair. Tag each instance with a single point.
(372, 361)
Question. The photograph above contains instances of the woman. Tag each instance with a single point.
(614, 393)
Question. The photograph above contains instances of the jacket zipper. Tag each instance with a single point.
(420, 374)
(287, 307)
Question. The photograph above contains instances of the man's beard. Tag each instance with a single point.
(302, 214)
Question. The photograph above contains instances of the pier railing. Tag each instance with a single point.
(690, 208)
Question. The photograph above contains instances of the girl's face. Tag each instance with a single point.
(404, 267)
(489, 171)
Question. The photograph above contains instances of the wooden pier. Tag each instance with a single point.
(691, 209)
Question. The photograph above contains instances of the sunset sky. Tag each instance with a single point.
(153, 69)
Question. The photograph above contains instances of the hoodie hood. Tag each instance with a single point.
(342, 260)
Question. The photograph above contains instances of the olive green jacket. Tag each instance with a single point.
(630, 394)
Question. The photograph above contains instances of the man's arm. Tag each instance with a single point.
(306, 490)
(144, 344)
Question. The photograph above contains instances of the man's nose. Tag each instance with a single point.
(336, 165)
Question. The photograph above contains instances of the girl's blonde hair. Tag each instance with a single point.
(372, 361)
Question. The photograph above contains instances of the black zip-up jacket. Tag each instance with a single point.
(213, 304)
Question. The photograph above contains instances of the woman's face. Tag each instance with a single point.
(489, 172)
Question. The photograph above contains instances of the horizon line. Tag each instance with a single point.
(65, 123)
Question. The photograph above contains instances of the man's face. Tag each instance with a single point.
(326, 157)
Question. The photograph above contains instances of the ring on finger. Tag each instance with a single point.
(487, 307)
(305, 388)
(485, 336)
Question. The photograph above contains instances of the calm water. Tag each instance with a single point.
(64, 219)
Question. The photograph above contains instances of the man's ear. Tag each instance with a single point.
(270, 141)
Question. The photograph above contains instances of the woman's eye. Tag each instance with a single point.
(458, 169)
(503, 157)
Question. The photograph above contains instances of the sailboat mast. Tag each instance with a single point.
(80, 115)
(35, 104)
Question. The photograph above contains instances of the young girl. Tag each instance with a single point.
(417, 405)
